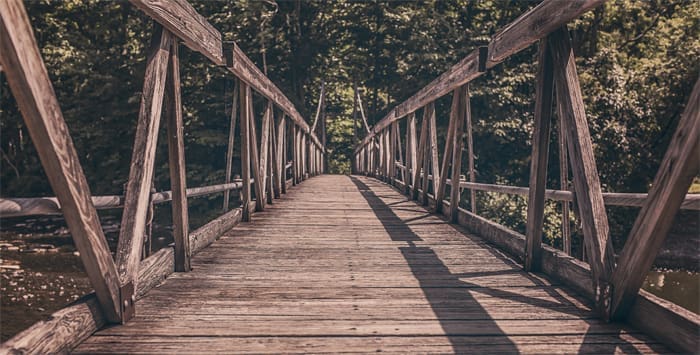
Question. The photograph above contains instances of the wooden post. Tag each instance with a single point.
(422, 152)
(462, 114)
(246, 102)
(564, 185)
(231, 136)
(538, 163)
(680, 165)
(586, 183)
(470, 147)
(397, 135)
(411, 153)
(138, 190)
(295, 157)
(280, 159)
(449, 143)
(29, 81)
(392, 135)
(270, 185)
(433, 156)
(258, 178)
(264, 150)
(176, 162)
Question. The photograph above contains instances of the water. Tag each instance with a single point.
(678, 286)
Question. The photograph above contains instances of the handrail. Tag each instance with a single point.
(627, 199)
(512, 38)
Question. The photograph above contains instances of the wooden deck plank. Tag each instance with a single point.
(347, 264)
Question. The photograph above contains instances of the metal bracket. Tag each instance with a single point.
(127, 300)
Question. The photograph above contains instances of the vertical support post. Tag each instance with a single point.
(281, 160)
(255, 160)
(470, 147)
(265, 150)
(246, 102)
(538, 163)
(176, 162)
(679, 166)
(138, 190)
(422, 152)
(411, 153)
(397, 135)
(229, 148)
(391, 134)
(462, 114)
(295, 157)
(33, 91)
(435, 162)
(589, 196)
(449, 144)
(564, 185)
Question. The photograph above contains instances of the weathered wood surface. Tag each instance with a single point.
(349, 264)
(138, 189)
(589, 196)
(33, 91)
(680, 165)
(539, 158)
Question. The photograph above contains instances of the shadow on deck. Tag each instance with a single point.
(347, 264)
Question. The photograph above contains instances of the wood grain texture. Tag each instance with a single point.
(176, 162)
(463, 111)
(589, 197)
(246, 70)
(70, 326)
(138, 189)
(440, 180)
(265, 174)
(411, 151)
(36, 99)
(280, 159)
(246, 102)
(534, 25)
(354, 259)
(433, 152)
(680, 165)
(539, 158)
(255, 161)
(422, 151)
(181, 19)
(231, 140)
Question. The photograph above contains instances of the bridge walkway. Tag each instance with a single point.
(348, 264)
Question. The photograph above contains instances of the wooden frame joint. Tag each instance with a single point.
(127, 302)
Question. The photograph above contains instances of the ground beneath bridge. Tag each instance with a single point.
(347, 264)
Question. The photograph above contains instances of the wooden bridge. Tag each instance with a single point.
(383, 260)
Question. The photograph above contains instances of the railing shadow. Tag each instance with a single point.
(451, 297)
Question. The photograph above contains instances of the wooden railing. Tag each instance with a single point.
(615, 287)
(264, 166)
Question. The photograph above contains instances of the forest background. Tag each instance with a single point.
(637, 62)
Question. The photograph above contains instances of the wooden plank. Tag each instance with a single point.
(680, 165)
(231, 136)
(181, 19)
(534, 25)
(67, 328)
(586, 182)
(461, 116)
(392, 134)
(176, 162)
(138, 189)
(470, 148)
(36, 100)
(440, 180)
(539, 158)
(255, 161)
(246, 102)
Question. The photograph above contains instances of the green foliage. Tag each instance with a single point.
(637, 62)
